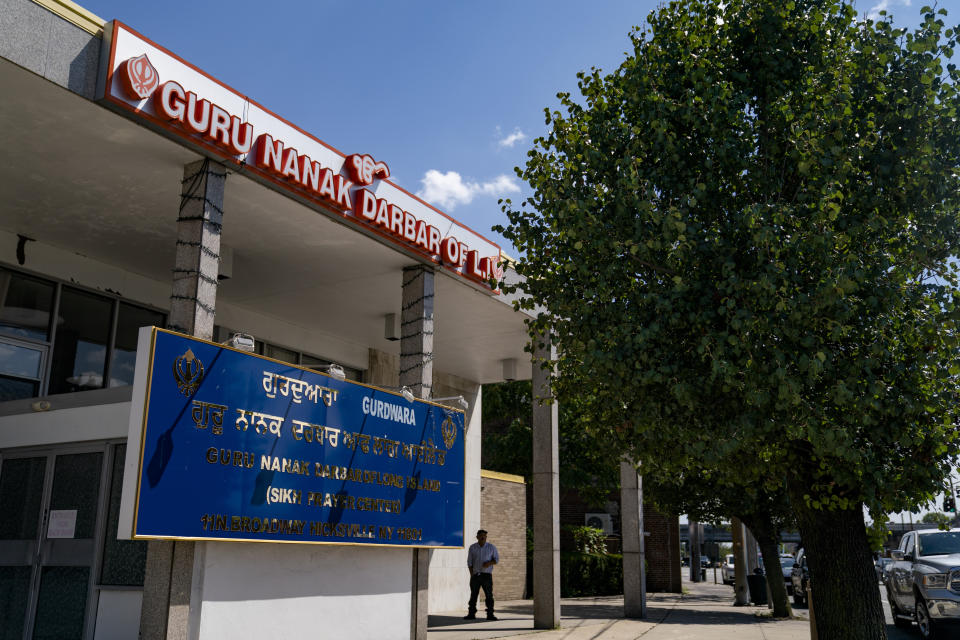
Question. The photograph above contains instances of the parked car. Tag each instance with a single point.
(727, 569)
(924, 582)
(786, 568)
(882, 565)
(704, 562)
(800, 578)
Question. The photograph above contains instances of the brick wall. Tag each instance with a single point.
(503, 499)
(662, 551)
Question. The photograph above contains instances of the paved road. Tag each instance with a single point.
(893, 633)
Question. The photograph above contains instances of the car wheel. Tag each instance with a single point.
(927, 630)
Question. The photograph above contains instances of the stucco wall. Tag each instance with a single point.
(254, 590)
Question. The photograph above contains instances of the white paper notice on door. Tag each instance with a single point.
(63, 523)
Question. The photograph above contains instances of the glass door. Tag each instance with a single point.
(51, 505)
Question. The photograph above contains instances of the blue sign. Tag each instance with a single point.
(236, 446)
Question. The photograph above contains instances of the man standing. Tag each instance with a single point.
(480, 560)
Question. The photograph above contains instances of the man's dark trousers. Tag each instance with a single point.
(478, 581)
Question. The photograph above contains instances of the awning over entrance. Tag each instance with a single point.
(79, 177)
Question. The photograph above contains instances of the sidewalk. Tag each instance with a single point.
(705, 612)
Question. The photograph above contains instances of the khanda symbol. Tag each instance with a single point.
(449, 429)
(188, 371)
(139, 77)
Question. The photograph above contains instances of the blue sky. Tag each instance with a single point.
(449, 94)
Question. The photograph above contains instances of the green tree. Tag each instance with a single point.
(942, 520)
(589, 457)
(743, 235)
(714, 495)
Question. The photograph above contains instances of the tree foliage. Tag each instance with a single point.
(717, 495)
(589, 460)
(942, 520)
(743, 235)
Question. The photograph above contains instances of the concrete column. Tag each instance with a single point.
(631, 532)
(173, 581)
(194, 297)
(546, 492)
(416, 372)
(741, 595)
(693, 534)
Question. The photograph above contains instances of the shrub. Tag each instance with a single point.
(590, 574)
(588, 539)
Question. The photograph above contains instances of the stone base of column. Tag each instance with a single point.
(420, 596)
(167, 588)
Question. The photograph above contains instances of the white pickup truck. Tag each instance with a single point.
(924, 582)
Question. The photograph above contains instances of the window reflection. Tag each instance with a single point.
(17, 389)
(80, 347)
(124, 359)
(20, 360)
(25, 305)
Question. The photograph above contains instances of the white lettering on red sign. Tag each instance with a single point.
(202, 117)
(199, 117)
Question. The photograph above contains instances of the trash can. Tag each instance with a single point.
(757, 583)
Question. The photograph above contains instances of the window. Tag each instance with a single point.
(908, 548)
(80, 344)
(123, 560)
(21, 369)
(284, 354)
(129, 321)
(317, 364)
(25, 305)
(93, 345)
(277, 353)
(937, 544)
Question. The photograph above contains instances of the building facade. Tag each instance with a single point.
(137, 190)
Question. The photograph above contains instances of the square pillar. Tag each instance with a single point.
(693, 533)
(631, 532)
(546, 491)
(172, 586)
(741, 597)
(416, 372)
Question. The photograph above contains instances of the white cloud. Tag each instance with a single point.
(448, 189)
(885, 5)
(512, 139)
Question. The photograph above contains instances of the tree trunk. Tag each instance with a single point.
(771, 564)
(767, 539)
(843, 581)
